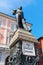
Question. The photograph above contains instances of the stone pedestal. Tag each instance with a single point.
(23, 48)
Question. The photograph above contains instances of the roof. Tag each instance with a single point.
(29, 24)
(12, 18)
(40, 38)
(7, 16)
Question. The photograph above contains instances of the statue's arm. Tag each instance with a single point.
(14, 12)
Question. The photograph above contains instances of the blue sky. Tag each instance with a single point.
(33, 12)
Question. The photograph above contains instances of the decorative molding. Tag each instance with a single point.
(7, 16)
(21, 34)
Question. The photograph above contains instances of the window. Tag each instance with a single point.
(0, 56)
(10, 38)
(42, 58)
(40, 50)
(0, 23)
(12, 26)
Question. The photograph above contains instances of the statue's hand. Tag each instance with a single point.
(14, 12)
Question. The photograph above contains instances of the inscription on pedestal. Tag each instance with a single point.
(28, 48)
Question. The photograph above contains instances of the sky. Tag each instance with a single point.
(33, 12)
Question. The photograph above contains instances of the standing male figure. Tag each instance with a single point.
(19, 17)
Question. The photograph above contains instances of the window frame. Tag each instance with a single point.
(1, 56)
(1, 23)
(11, 26)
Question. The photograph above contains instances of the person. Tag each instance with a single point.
(19, 17)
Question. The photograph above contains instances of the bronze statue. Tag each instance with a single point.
(19, 17)
(21, 21)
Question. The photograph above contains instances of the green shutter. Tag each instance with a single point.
(40, 50)
(42, 58)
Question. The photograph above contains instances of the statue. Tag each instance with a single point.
(19, 17)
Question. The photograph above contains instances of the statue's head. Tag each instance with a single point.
(14, 11)
(20, 8)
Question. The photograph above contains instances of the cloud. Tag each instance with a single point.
(24, 2)
(10, 4)
(4, 4)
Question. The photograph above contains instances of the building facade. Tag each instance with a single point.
(40, 49)
(7, 28)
